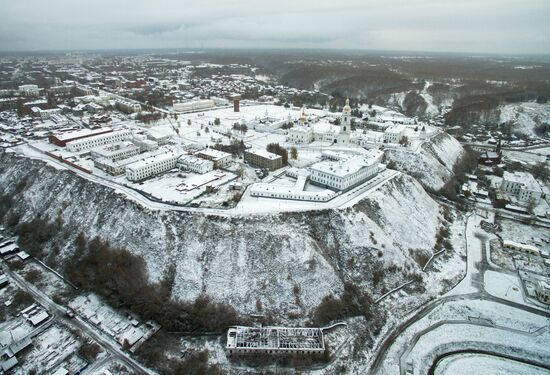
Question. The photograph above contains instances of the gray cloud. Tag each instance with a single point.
(505, 26)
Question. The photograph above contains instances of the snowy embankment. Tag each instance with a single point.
(288, 261)
(432, 164)
(524, 117)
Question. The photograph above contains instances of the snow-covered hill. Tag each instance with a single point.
(524, 117)
(432, 164)
(239, 260)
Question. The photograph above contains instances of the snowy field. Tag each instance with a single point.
(468, 364)
(183, 187)
(529, 156)
(505, 286)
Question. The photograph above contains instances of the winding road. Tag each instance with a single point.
(471, 288)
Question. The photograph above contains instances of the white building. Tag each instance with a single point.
(118, 167)
(99, 140)
(152, 166)
(195, 105)
(143, 143)
(521, 185)
(29, 90)
(344, 174)
(158, 137)
(300, 134)
(195, 164)
(116, 151)
(529, 249)
(127, 106)
(219, 158)
(393, 134)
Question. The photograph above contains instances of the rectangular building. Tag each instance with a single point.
(61, 139)
(263, 159)
(152, 166)
(158, 137)
(343, 174)
(521, 185)
(274, 340)
(116, 151)
(99, 140)
(127, 106)
(300, 135)
(219, 158)
(143, 143)
(529, 249)
(195, 164)
(393, 134)
(29, 90)
(195, 105)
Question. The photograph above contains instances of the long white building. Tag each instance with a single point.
(152, 166)
(99, 140)
(29, 90)
(116, 151)
(195, 105)
(345, 173)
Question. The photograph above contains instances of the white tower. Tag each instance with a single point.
(345, 125)
(345, 119)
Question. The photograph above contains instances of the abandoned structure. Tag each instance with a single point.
(274, 340)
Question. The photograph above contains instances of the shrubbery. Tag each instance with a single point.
(352, 302)
(121, 278)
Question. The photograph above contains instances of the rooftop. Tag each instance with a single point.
(152, 160)
(81, 133)
(275, 338)
(216, 154)
(343, 167)
(264, 153)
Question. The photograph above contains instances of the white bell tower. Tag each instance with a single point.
(345, 125)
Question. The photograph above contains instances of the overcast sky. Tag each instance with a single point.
(490, 26)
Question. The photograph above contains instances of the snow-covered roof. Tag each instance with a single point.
(520, 245)
(82, 133)
(263, 153)
(152, 160)
(214, 154)
(38, 318)
(343, 167)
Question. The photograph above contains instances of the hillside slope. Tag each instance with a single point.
(239, 260)
(432, 164)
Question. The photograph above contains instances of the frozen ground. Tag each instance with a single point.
(528, 156)
(504, 286)
(468, 364)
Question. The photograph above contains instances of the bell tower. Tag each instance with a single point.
(345, 120)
